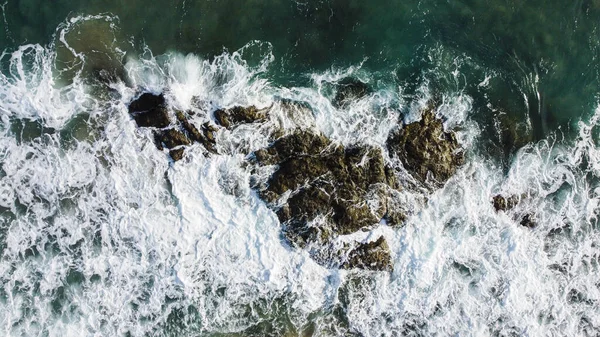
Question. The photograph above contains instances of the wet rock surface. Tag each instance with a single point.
(504, 204)
(319, 189)
(150, 110)
(348, 90)
(230, 118)
(426, 150)
(328, 181)
(373, 255)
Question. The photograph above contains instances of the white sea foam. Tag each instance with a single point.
(108, 236)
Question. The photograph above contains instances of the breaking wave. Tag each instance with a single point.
(101, 233)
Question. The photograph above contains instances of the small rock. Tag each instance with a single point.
(232, 117)
(502, 203)
(176, 154)
(149, 111)
(374, 255)
(528, 221)
(426, 149)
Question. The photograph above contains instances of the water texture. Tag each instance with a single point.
(101, 234)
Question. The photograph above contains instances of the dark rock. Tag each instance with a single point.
(528, 221)
(374, 255)
(149, 110)
(326, 181)
(146, 101)
(171, 138)
(502, 203)
(426, 149)
(350, 89)
(232, 117)
(301, 143)
(206, 137)
(176, 154)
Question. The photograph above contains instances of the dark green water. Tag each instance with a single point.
(544, 53)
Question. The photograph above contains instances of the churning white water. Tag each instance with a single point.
(102, 234)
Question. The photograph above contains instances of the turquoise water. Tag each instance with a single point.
(545, 50)
(100, 234)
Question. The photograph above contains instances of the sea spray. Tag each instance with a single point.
(107, 236)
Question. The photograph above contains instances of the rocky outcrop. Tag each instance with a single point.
(502, 203)
(150, 111)
(326, 181)
(427, 151)
(230, 118)
(319, 189)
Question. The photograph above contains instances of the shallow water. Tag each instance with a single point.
(100, 233)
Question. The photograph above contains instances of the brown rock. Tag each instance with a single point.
(426, 149)
(149, 111)
(176, 154)
(325, 180)
(171, 138)
(373, 255)
(232, 117)
(502, 203)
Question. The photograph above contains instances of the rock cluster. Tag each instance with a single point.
(150, 111)
(328, 181)
(320, 189)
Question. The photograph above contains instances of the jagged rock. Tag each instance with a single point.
(350, 89)
(176, 154)
(149, 110)
(373, 255)
(171, 138)
(232, 117)
(426, 149)
(502, 203)
(528, 221)
(298, 144)
(206, 137)
(325, 180)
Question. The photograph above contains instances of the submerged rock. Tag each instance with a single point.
(426, 150)
(232, 117)
(528, 221)
(350, 89)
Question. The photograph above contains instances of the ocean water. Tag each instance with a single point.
(102, 235)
